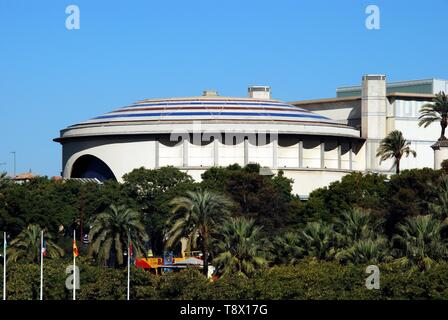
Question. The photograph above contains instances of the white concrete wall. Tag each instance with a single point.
(311, 153)
(122, 156)
(345, 155)
(307, 180)
(288, 152)
(374, 114)
(399, 114)
(440, 85)
(170, 154)
(373, 107)
(344, 112)
(200, 155)
(406, 113)
(359, 156)
(331, 155)
(261, 154)
(230, 153)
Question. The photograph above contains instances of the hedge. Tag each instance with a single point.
(306, 280)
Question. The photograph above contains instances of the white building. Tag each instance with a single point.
(376, 108)
(314, 142)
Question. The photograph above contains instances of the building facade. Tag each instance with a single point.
(314, 142)
(376, 108)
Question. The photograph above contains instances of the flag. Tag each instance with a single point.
(75, 249)
(131, 250)
(131, 253)
(44, 249)
(85, 239)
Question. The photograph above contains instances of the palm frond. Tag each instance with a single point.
(110, 231)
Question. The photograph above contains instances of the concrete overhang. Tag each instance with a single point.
(128, 129)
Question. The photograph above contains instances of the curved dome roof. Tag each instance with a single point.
(209, 108)
(156, 114)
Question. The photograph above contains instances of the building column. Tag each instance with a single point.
(374, 106)
(215, 152)
(156, 154)
(300, 153)
(185, 153)
(440, 153)
(246, 151)
(339, 155)
(275, 153)
(322, 153)
(350, 156)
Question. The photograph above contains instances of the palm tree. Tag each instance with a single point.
(317, 240)
(440, 208)
(394, 146)
(435, 112)
(286, 248)
(420, 241)
(110, 232)
(27, 245)
(196, 217)
(355, 225)
(239, 247)
(366, 251)
(4, 179)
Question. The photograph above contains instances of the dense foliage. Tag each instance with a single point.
(264, 241)
(307, 280)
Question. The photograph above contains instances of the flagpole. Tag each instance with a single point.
(4, 265)
(129, 263)
(74, 268)
(42, 265)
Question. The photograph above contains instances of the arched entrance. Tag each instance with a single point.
(89, 166)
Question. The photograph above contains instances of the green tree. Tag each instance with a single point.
(286, 248)
(354, 225)
(409, 195)
(420, 242)
(265, 198)
(4, 180)
(239, 247)
(196, 216)
(110, 231)
(364, 191)
(317, 240)
(437, 111)
(27, 245)
(444, 166)
(366, 251)
(152, 191)
(394, 146)
(439, 208)
(52, 204)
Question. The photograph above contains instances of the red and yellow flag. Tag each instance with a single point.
(75, 249)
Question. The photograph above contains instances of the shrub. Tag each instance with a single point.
(309, 279)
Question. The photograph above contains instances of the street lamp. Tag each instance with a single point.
(14, 155)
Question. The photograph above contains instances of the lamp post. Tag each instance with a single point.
(14, 155)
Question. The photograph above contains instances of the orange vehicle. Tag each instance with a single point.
(157, 265)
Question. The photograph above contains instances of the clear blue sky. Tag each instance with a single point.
(51, 77)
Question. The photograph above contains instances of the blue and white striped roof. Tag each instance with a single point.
(207, 108)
